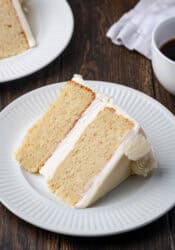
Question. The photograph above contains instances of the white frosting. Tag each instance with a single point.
(137, 148)
(140, 152)
(121, 163)
(145, 165)
(24, 23)
(78, 78)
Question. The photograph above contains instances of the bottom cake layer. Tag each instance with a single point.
(95, 147)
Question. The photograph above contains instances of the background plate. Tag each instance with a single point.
(52, 24)
(134, 203)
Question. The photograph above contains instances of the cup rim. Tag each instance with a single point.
(167, 20)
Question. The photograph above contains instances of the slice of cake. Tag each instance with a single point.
(47, 133)
(104, 148)
(85, 146)
(15, 35)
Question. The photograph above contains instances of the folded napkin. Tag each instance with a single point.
(134, 29)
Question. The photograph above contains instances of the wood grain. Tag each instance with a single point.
(90, 53)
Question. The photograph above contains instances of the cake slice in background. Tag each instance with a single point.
(46, 134)
(15, 33)
(104, 148)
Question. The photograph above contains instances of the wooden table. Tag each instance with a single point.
(91, 54)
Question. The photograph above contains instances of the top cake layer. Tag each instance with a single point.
(46, 134)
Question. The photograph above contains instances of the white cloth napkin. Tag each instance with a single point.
(134, 29)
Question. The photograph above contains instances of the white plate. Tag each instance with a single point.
(52, 24)
(134, 203)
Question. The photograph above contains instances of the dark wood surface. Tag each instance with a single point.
(95, 57)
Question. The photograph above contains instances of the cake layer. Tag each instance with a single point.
(91, 152)
(15, 35)
(45, 135)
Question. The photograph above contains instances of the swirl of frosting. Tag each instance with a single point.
(137, 147)
(138, 150)
(144, 166)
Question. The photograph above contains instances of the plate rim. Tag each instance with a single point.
(98, 234)
(85, 234)
(8, 79)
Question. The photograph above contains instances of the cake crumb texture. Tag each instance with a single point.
(12, 37)
(90, 154)
(45, 135)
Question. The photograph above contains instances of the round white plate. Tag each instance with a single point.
(52, 24)
(134, 203)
